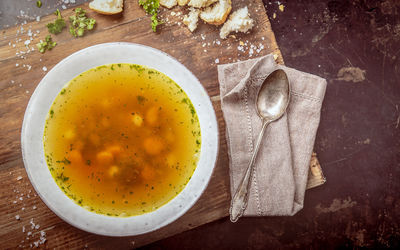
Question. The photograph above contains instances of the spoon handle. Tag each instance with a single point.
(241, 197)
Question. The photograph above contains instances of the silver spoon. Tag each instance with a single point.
(272, 101)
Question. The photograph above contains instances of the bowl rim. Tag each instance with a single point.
(86, 227)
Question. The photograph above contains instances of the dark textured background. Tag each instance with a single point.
(355, 45)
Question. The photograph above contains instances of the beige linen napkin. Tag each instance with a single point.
(280, 176)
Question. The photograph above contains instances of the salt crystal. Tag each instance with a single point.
(63, 7)
(13, 45)
(23, 209)
(217, 60)
(173, 13)
(203, 36)
(37, 226)
(29, 233)
(14, 202)
(23, 229)
(20, 198)
(27, 91)
(44, 68)
(38, 19)
(34, 207)
(17, 217)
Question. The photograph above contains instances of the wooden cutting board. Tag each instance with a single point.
(22, 214)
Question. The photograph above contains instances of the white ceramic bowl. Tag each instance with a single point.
(33, 128)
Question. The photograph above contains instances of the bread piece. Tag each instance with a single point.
(107, 7)
(238, 21)
(182, 2)
(201, 3)
(192, 18)
(217, 13)
(168, 3)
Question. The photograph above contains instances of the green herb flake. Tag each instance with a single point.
(62, 177)
(63, 91)
(80, 23)
(47, 44)
(58, 25)
(65, 161)
(38, 3)
(141, 99)
(151, 7)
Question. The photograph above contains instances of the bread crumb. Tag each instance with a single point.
(107, 7)
(182, 2)
(201, 3)
(281, 7)
(238, 21)
(217, 13)
(168, 3)
(44, 68)
(191, 19)
(19, 178)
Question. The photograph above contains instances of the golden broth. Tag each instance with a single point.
(122, 139)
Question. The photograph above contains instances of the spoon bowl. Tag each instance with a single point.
(272, 102)
(273, 96)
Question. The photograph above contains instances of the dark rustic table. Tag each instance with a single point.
(355, 45)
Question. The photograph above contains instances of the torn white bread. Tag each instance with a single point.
(192, 18)
(107, 7)
(183, 2)
(168, 3)
(239, 21)
(201, 3)
(217, 13)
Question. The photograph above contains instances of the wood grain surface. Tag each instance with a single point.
(23, 216)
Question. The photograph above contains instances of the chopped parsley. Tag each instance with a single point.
(141, 99)
(47, 44)
(38, 3)
(65, 161)
(62, 177)
(58, 25)
(151, 7)
(80, 22)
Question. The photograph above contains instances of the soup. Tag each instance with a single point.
(122, 139)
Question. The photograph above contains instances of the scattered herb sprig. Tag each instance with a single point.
(80, 22)
(47, 44)
(58, 25)
(151, 7)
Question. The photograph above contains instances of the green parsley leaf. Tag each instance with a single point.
(58, 25)
(151, 7)
(80, 22)
(39, 4)
(47, 44)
